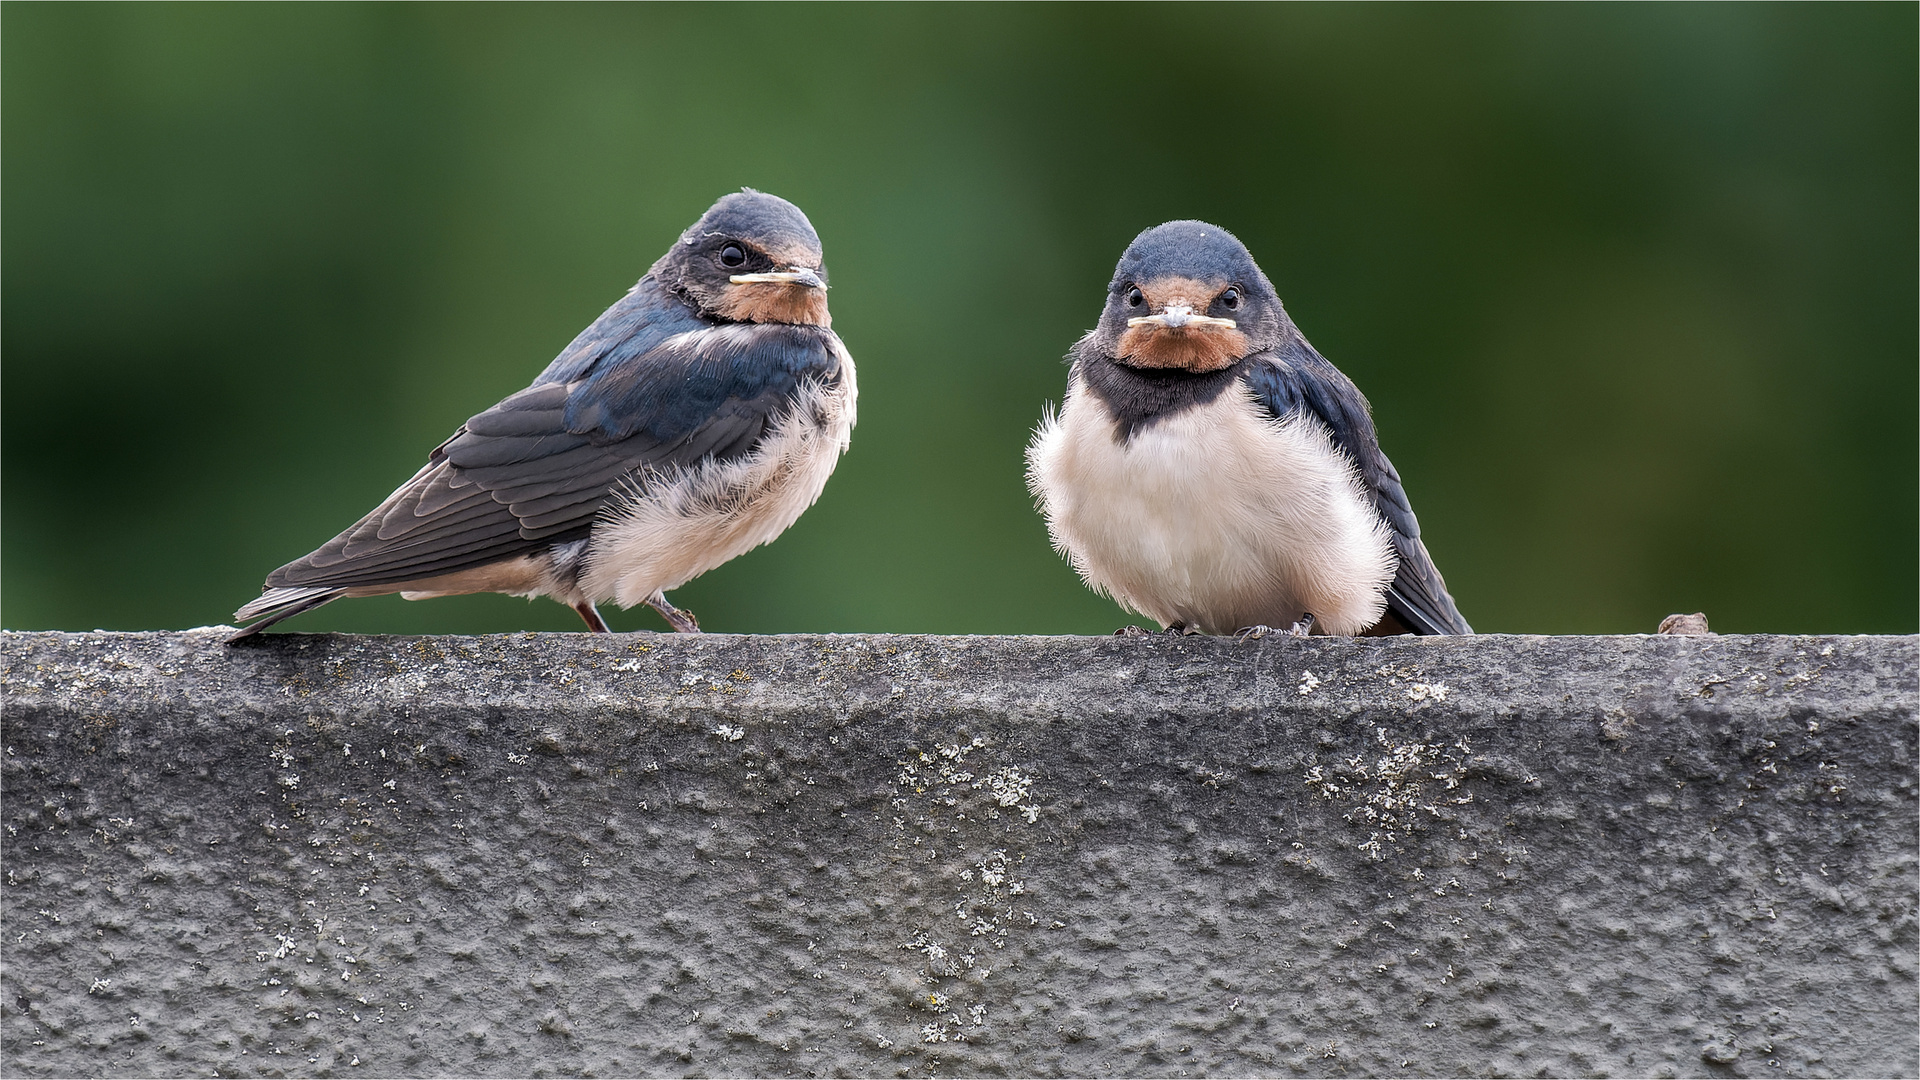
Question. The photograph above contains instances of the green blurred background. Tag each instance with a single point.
(1632, 288)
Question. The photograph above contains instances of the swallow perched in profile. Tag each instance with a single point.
(692, 422)
(1211, 471)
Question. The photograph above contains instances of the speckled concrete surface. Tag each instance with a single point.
(873, 855)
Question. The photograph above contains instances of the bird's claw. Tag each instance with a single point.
(1303, 628)
(679, 618)
(1131, 630)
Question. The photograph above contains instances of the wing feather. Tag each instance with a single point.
(1295, 377)
(648, 387)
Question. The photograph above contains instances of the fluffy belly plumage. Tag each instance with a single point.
(1214, 518)
(670, 528)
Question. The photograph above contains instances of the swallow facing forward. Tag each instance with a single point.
(692, 422)
(1211, 471)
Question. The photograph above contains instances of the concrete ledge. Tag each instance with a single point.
(879, 855)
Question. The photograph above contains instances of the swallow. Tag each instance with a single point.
(1211, 471)
(693, 421)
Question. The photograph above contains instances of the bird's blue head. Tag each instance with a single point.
(752, 257)
(1187, 295)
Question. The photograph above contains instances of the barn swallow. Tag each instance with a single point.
(1211, 471)
(692, 422)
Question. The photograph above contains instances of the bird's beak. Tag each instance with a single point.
(1177, 316)
(802, 276)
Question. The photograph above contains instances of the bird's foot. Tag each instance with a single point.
(591, 614)
(1176, 630)
(1303, 628)
(681, 620)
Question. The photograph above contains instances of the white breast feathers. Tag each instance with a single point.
(668, 528)
(1215, 517)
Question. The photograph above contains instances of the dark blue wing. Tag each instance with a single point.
(1295, 377)
(649, 386)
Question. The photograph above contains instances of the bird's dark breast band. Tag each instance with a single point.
(1140, 397)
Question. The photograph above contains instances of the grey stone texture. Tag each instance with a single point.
(559, 854)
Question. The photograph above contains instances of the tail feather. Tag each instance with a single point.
(1427, 618)
(277, 604)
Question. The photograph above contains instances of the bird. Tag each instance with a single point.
(1208, 469)
(693, 421)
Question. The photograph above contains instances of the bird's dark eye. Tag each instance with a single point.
(1231, 298)
(731, 255)
(1134, 299)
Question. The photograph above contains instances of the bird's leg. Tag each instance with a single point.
(1304, 627)
(595, 623)
(681, 621)
(1178, 629)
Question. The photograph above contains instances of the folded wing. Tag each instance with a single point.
(646, 390)
(1295, 377)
